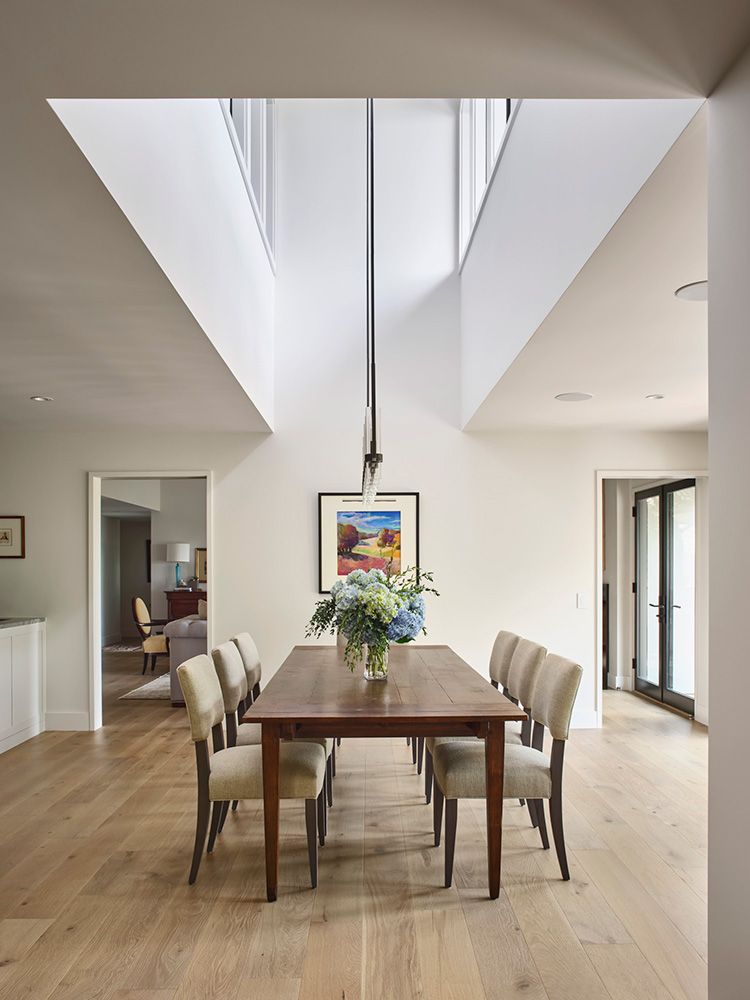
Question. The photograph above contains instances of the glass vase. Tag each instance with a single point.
(376, 664)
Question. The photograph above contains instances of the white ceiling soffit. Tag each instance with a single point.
(619, 332)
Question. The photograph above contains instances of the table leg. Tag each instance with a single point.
(494, 762)
(271, 807)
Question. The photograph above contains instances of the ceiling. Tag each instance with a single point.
(619, 332)
(86, 314)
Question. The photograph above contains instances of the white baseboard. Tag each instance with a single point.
(584, 718)
(75, 722)
(620, 682)
(10, 739)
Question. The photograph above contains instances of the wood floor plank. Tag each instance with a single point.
(17, 937)
(626, 973)
(447, 961)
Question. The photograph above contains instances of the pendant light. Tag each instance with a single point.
(372, 458)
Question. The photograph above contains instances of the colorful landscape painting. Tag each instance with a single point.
(368, 539)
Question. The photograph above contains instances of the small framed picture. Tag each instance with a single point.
(12, 537)
(201, 565)
(354, 536)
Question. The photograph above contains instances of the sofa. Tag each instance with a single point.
(187, 637)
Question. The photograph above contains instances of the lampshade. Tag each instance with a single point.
(178, 552)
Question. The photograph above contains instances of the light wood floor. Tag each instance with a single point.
(96, 834)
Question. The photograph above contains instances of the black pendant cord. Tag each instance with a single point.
(371, 369)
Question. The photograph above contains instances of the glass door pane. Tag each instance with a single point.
(648, 590)
(680, 645)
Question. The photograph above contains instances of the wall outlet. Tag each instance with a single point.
(580, 600)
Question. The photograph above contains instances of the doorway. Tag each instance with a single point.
(664, 593)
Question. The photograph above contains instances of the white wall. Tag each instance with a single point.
(182, 518)
(171, 167)
(143, 492)
(110, 580)
(569, 170)
(729, 363)
(133, 575)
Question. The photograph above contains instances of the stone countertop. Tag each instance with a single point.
(13, 622)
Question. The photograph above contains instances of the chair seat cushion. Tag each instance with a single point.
(237, 773)
(155, 644)
(460, 771)
(511, 736)
(250, 734)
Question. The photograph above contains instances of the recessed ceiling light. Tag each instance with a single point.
(696, 291)
(41, 399)
(655, 395)
(574, 397)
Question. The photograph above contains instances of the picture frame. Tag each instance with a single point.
(201, 565)
(12, 536)
(354, 536)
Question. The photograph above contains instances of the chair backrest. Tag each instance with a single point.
(525, 665)
(202, 692)
(250, 658)
(555, 694)
(141, 616)
(502, 653)
(231, 674)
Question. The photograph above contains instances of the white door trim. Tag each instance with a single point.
(95, 569)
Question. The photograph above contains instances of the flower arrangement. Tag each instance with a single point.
(374, 609)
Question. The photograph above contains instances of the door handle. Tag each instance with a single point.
(677, 606)
(654, 605)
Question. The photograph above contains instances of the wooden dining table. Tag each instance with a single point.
(430, 691)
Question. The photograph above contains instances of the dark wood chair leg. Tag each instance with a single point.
(333, 759)
(437, 811)
(153, 661)
(532, 811)
(338, 741)
(321, 805)
(428, 771)
(451, 821)
(420, 754)
(256, 691)
(311, 824)
(494, 684)
(328, 785)
(223, 816)
(218, 812)
(555, 806)
(538, 806)
(234, 805)
(204, 809)
(414, 749)
(145, 664)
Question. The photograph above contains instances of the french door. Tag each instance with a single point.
(665, 593)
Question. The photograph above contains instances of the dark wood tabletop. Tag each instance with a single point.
(430, 691)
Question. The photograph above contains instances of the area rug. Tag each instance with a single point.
(157, 690)
(122, 647)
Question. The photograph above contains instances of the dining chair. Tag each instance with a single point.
(500, 659)
(152, 643)
(234, 678)
(251, 662)
(237, 772)
(528, 772)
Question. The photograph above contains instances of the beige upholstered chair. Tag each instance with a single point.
(234, 677)
(237, 772)
(529, 773)
(152, 642)
(525, 664)
(251, 662)
(501, 657)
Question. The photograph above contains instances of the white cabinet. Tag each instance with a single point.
(22, 650)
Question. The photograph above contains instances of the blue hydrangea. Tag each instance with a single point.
(375, 576)
(336, 589)
(406, 625)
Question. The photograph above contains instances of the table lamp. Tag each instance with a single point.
(177, 552)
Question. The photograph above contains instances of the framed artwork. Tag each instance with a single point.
(354, 536)
(12, 537)
(201, 565)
